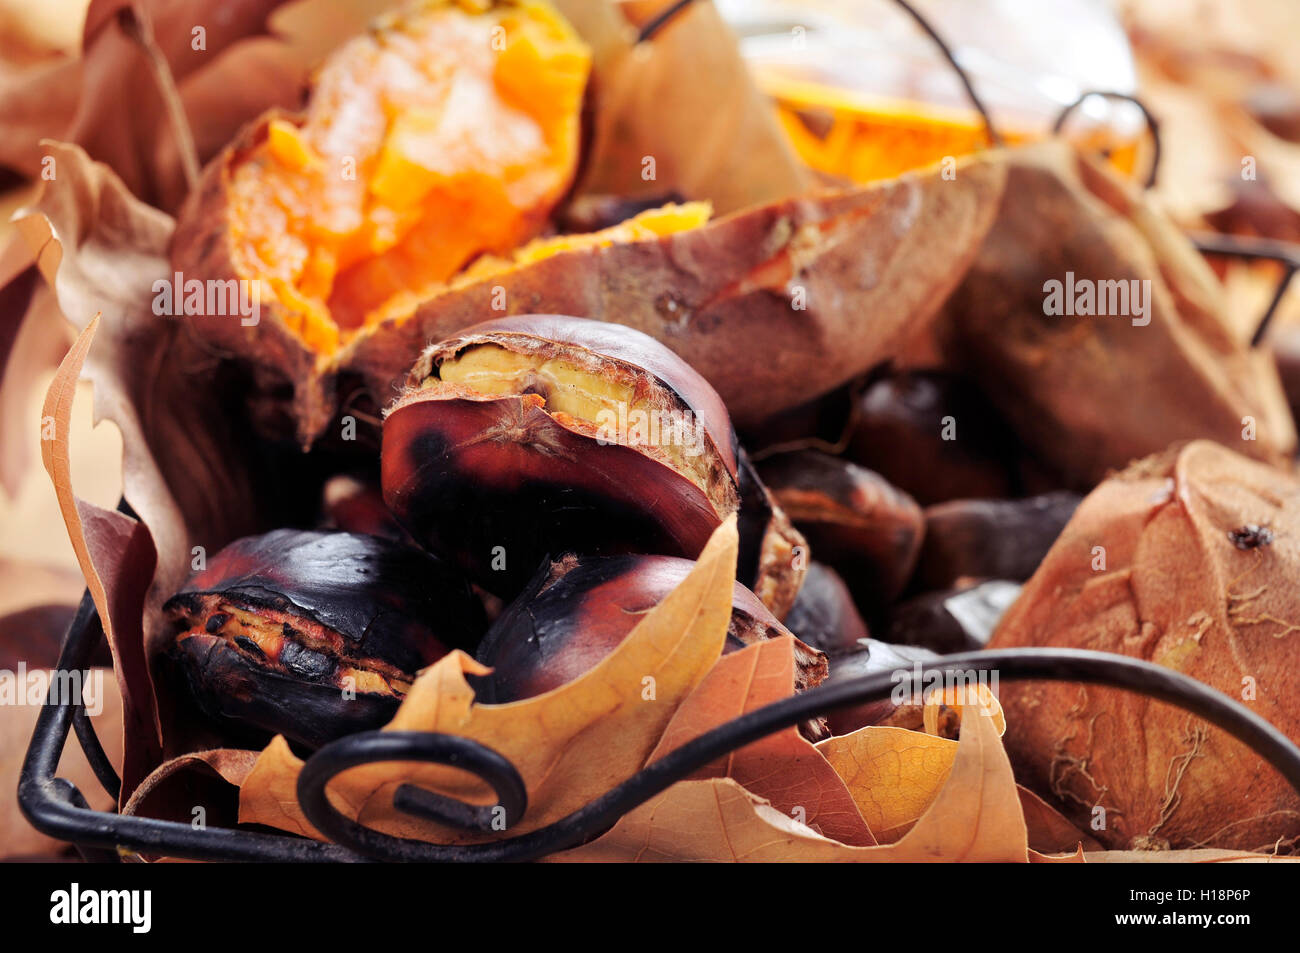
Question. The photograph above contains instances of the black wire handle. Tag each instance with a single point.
(1252, 248)
(665, 16)
(587, 823)
(1153, 125)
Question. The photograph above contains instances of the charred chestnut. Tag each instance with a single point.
(868, 530)
(952, 620)
(990, 539)
(578, 610)
(824, 615)
(934, 435)
(316, 635)
(536, 435)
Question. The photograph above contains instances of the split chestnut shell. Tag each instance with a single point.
(316, 635)
(532, 436)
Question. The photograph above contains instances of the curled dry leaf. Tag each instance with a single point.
(189, 458)
(117, 559)
(202, 787)
(110, 100)
(648, 100)
(975, 817)
(784, 768)
(1187, 559)
(571, 744)
(894, 774)
(1091, 393)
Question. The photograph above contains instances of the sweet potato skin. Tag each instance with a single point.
(773, 305)
(203, 248)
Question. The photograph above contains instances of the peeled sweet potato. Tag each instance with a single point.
(1187, 559)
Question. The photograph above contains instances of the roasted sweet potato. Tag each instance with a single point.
(448, 131)
(439, 231)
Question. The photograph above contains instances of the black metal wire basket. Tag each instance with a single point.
(56, 807)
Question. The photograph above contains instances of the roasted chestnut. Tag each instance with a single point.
(934, 435)
(316, 635)
(537, 435)
(952, 620)
(990, 539)
(824, 615)
(868, 530)
(579, 609)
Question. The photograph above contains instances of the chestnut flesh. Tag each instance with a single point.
(316, 635)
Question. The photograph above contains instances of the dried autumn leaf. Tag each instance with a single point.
(894, 774)
(570, 745)
(206, 780)
(1092, 393)
(117, 559)
(975, 817)
(269, 793)
(110, 99)
(1187, 559)
(648, 100)
(784, 768)
(1049, 831)
(189, 458)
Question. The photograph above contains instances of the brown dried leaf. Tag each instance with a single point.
(648, 102)
(187, 453)
(117, 559)
(894, 774)
(208, 780)
(783, 768)
(975, 817)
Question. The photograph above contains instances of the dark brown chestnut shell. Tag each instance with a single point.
(578, 610)
(501, 483)
(363, 598)
(855, 521)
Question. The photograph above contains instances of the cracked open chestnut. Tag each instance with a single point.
(316, 635)
(528, 437)
(578, 609)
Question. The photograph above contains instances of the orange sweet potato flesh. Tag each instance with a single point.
(447, 131)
